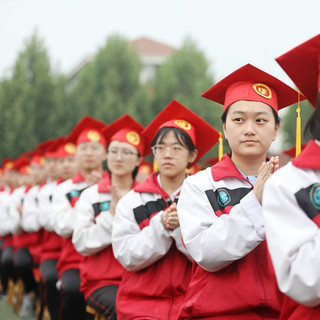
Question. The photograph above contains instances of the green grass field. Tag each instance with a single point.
(6, 312)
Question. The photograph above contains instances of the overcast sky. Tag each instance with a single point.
(230, 32)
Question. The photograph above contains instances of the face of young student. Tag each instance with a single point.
(175, 158)
(122, 158)
(50, 166)
(250, 128)
(37, 173)
(90, 155)
(67, 167)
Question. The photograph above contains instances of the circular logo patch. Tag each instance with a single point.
(262, 90)
(70, 148)
(223, 197)
(74, 193)
(93, 135)
(9, 165)
(315, 195)
(104, 206)
(183, 124)
(133, 138)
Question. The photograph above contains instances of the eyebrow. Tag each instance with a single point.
(242, 112)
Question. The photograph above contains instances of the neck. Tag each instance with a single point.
(249, 166)
(171, 184)
(122, 182)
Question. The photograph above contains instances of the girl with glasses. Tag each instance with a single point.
(146, 236)
(100, 272)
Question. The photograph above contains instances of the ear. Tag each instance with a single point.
(193, 155)
(276, 129)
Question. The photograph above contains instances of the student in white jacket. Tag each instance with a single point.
(146, 236)
(100, 272)
(291, 200)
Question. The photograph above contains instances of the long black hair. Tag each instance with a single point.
(182, 137)
(312, 127)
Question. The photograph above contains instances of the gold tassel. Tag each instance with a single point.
(298, 128)
(220, 146)
(155, 168)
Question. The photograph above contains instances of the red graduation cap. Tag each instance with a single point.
(88, 129)
(291, 152)
(8, 164)
(302, 66)
(65, 148)
(252, 84)
(37, 158)
(126, 129)
(47, 148)
(22, 164)
(175, 115)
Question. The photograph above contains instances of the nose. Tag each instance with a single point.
(167, 153)
(249, 128)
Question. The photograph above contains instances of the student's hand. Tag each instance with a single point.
(115, 197)
(94, 177)
(170, 218)
(265, 171)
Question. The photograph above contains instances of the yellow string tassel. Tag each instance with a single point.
(155, 168)
(298, 128)
(220, 146)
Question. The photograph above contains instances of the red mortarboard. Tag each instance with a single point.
(291, 152)
(252, 84)
(37, 159)
(126, 129)
(47, 148)
(302, 66)
(145, 167)
(88, 129)
(8, 164)
(65, 148)
(22, 164)
(175, 115)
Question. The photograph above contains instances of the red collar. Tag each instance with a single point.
(28, 187)
(309, 158)
(78, 178)
(151, 185)
(225, 168)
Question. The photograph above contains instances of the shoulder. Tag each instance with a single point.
(202, 179)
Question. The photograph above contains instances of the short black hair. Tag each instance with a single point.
(276, 116)
(182, 137)
(312, 127)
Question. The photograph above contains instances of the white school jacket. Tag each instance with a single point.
(93, 225)
(215, 240)
(6, 224)
(64, 197)
(139, 238)
(291, 208)
(30, 211)
(45, 211)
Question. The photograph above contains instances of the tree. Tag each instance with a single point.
(288, 125)
(31, 101)
(109, 86)
(184, 76)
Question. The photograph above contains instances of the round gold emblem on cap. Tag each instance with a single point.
(93, 135)
(9, 165)
(133, 138)
(183, 124)
(70, 148)
(262, 90)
